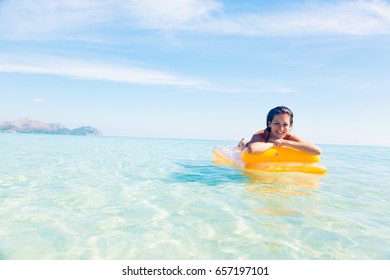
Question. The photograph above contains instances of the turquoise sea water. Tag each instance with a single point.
(72, 197)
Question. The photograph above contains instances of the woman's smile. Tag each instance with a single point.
(280, 125)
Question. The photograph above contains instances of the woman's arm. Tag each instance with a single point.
(257, 144)
(299, 145)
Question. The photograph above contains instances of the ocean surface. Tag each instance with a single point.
(75, 197)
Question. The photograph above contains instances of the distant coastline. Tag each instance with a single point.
(27, 125)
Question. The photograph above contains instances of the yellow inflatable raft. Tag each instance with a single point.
(272, 160)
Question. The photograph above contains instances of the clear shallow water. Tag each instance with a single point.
(69, 197)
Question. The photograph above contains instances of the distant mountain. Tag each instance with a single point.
(30, 126)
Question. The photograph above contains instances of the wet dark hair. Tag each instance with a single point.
(276, 111)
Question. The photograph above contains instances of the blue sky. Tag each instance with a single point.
(203, 69)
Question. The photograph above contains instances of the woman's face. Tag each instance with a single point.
(280, 126)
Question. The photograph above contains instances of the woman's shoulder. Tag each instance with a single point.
(259, 136)
(260, 132)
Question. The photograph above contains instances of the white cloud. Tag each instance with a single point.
(346, 17)
(39, 100)
(46, 18)
(170, 14)
(92, 70)
(23, 17)
(78, 69)
(362, 17)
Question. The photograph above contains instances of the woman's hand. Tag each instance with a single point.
(279, 142)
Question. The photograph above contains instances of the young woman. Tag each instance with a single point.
(277, 134)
